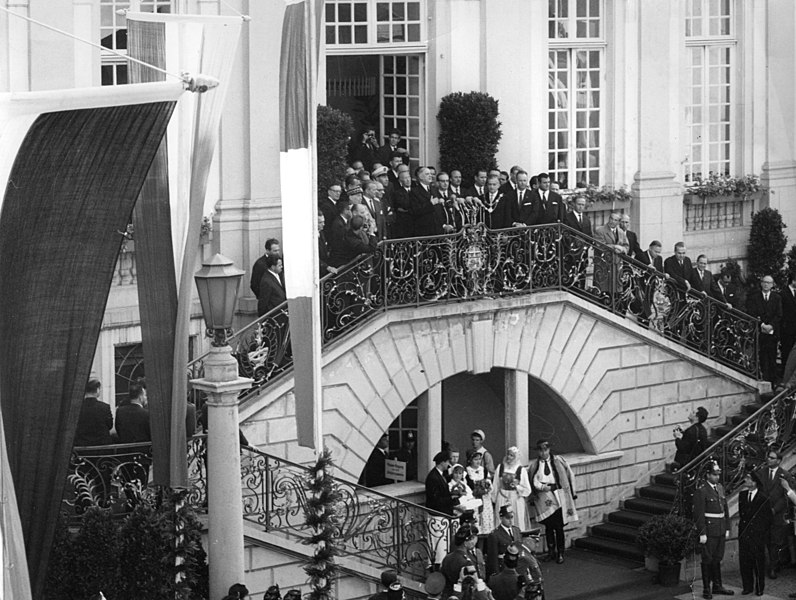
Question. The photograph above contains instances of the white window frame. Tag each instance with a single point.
(373, 46)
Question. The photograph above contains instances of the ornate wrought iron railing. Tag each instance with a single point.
(116, 477)
(481, 263)
(378, 529)
(772, 426)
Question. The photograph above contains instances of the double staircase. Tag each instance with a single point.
(618, 535)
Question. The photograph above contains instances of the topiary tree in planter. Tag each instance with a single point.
(469, 133)
(669, 538)
(767, 243)
(334, 131)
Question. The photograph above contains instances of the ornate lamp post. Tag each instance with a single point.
(218, 282)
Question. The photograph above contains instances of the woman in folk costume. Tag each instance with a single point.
(481, 485)
(511, 487)
(553, 497)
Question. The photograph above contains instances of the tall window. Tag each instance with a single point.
(710, 50)
(575, 76)
(113, 35)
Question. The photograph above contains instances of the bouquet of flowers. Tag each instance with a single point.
(508, 481)
(481, 488)
(457, 489)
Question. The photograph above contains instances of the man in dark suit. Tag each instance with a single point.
(371, 192)
(754, 511)
(499, 540)
(679, 267)
(578, 219)
(446, 210)
(328, 206)
(95, 421)
(438, 498)
(577, 259)
(550, 206)
(422, 205)
(724, 290)
(522, 197)
(132, 418)
(499, 211)
(701, 278)
(367, 150)
(652, 256)
(337, 230)
(478, 188)
(394, 146)
(632, 238)
(258, 268)
(385, 194)
(788, 335)
(323, 250)
(712, 520)
(373, 475)
(456, 183)
(766, 305)
(778, 529)
(272, 293)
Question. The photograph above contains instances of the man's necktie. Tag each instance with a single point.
(546, 468)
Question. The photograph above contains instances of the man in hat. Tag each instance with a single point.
(438, 498)
(463, 554)
(504, 584)
(477, 438)
(500, 539)
(712, 519)
(553, 485)
(434, 585)
(408, 454)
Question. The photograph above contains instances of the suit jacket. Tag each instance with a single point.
(496, 544)
(702, 283)
(503, 214)
(524, 207)
(379, 216)
(374, 469)
(94, 423)
(383, 155)
(632, 239)
(768, 312)
(754, 518)
(709, 501)
(132, 424)
(452, 565)
(365, 152)
(336, 235)
(258, 268)
(726, 294)
(438, 495)
(657, 263)
(613, 238)
(773, 490)
(553, 210)
(788, 311)
(328, 209)
(272, 294)
(323, 254)
(404, 225)
(691, 445)
(422, 211)
(354, 244)
(680, 273)
(504, 584)
(584, 226)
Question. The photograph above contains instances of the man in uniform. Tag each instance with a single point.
(500, 539)
(712, 519)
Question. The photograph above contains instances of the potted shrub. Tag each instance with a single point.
(669, 538)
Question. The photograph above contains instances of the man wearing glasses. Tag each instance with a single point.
(766, 305)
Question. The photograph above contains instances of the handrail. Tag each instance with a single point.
(378, 529)
(477, 262)
(743, 447)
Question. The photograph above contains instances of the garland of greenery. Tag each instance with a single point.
(322, 516)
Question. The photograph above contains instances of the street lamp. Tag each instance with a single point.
(218, 283)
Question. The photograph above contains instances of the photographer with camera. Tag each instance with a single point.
(691, 442)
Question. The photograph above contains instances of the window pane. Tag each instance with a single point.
(382, 11)
(413, 11)
(413, 33)
(360, 12)
(344, 13)
(361, 34)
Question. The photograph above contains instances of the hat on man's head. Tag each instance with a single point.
(713, 467)
(380, 171)
(238, 590)
(505, 511)
(292, 595)
(435, 583)
(273, 593)
(467, 517)
(542, 444)
(479, 433)
(441, 456)
(388, 577)
(395, 591)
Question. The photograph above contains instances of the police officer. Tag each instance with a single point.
(712, 518)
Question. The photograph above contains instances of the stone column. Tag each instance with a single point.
(429, 424)
(516, 415)
(656, 193)
(224, 496)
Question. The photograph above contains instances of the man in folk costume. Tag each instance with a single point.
(553, 485)
(712, 519)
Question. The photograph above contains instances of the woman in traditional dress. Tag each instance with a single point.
(481, 486)
(511, 486)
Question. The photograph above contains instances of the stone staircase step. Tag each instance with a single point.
(611, 547)
(665, 479)
(659, 492)
(648, 505)
(629, 517)
(615, 531)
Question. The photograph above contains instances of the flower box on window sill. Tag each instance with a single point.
(695, 200)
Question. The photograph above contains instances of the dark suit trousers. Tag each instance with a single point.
(752, 563)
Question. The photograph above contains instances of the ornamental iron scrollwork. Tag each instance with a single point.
(383, 531)
(116, 477)
(742, 448)
(477, 263)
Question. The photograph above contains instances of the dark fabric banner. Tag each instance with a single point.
(157, 282)
(70, 192)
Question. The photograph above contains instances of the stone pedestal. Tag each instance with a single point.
(225, 505)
